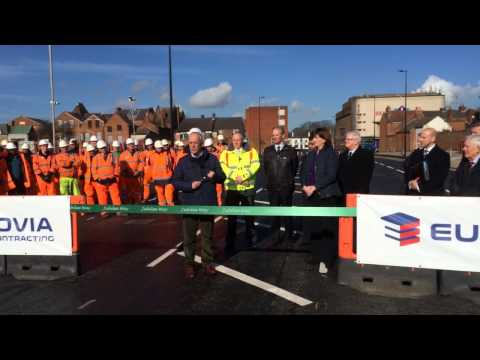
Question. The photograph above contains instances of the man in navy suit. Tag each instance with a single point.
(426, 169)
(466, 181)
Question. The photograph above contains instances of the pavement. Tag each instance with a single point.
(133, 265)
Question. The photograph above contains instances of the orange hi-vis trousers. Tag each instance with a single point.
(103, 191)
(219, 189)
(165, 194)
(45, 188)
(131, 188)
(89, 191)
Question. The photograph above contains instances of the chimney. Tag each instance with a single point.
(202, 116)
(213, 116)
(462, 108)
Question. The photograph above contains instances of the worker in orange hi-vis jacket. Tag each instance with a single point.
(105, 172)
(6, 181)
(131, 168)
(44, 169)
(28, 159)
(147, 176)
(208, 144)
(221, 145)
(161, 165)
(88, 187)
(68, 165)
(180, 151)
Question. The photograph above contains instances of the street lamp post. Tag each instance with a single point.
(52, 92)
(132, 100)
(170, 89)
(405, 117)
(259, 142)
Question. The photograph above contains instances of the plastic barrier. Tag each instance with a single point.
(2, 265)
(393, 281)
(35, 267)
(460, 283)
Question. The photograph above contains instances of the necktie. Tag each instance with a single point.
(278, 148)
(349, 154)
(425, 152)
(472, 164)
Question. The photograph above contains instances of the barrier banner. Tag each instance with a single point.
(35, 225)
(420, 232)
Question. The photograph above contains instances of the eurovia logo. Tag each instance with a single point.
(403, 228)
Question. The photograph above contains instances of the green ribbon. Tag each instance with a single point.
(219, 210)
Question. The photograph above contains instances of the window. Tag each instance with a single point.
(109, 129)
(89, 124)
(119, 127)
(97, 124)
(281, 122)
(72, 123)
(281, 112)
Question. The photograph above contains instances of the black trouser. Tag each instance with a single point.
(322, 232)
(239, 198)
(191, 223)
(19, 189)
(281, 197)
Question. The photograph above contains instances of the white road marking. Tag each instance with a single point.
(382, 164)
(257, 283)
(400, 171)
(86, 304)
(163, 256)
(390, 167)
(259, 190)
(262, 202)
(218, 218)
(298, 192)
(91, 218)
(298, 184)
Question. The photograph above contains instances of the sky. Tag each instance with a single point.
(313, 81)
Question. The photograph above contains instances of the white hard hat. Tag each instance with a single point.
(43, 142)
(25, 146)
(178, 143)
(4, 143)
(101, 144)
(148, 141)
(90, 147)
(136, 142)
(130, 141)
(93, 138)
(73, 140)
(194, 130)
(115, 143)
(62, 144)
(85, 144)
(164, 142)
(220, 137)
(50, 146)
(158, 144)
(11, 146)
(208, 142)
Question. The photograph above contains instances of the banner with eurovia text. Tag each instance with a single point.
(430, 232)
(35, 225)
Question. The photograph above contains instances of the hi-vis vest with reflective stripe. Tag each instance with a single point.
(242, 163)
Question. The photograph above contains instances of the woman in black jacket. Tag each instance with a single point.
(319, 184)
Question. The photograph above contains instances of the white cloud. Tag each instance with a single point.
(296, 105)
(237, 114)
(13, 97)
(454, 94)
(140, 85)
(165, 95)
(218, 96)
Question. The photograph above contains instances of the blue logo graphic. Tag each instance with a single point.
(402, 228)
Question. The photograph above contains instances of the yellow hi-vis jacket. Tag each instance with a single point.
(240, 163)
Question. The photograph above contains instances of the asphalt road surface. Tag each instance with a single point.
(131, 265)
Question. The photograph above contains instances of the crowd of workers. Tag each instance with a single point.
(203, 173)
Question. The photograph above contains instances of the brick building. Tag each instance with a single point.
(261, 120)
(212, 126)
(450, 124)
(40, 128)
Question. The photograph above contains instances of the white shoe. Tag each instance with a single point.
(323, 268)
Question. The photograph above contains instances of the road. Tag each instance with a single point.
(130, 265)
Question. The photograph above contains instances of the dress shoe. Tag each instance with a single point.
(209, 269)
